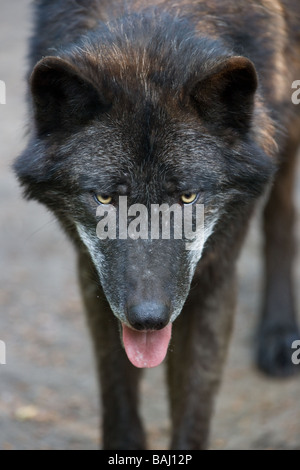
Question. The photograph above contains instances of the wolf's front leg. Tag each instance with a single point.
(122, 429)
(196, 358)
(278, 327)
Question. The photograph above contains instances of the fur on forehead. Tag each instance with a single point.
(154, 53)
(154, 47)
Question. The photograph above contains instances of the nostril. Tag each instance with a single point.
(148, 316)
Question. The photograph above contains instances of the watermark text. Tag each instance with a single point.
(2, 353)
(161, 222)
(296, 354)
(296, 94)
(2, 92)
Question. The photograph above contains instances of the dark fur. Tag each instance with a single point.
(151, 102)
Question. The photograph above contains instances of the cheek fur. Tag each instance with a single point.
(196, 247)
(91, 241)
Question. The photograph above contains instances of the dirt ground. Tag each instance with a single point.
(48, 395)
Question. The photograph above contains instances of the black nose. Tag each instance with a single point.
(148, 316)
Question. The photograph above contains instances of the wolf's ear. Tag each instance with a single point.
(225, 97)
(62, 97)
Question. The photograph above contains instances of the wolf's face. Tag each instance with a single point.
(105, 130)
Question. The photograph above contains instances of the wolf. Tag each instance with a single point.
(165, 102)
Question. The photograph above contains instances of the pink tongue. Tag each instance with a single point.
(146, 349)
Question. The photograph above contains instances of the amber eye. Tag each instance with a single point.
(103, 199)
(189, 198)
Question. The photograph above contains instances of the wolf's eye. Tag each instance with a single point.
(189, 198)
(103, 199)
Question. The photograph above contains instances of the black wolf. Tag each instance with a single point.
(168, 102)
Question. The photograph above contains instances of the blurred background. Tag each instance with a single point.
(48, 393)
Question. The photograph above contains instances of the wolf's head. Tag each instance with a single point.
(146, 111)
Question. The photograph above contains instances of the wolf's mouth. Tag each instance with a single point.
(146, 349)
